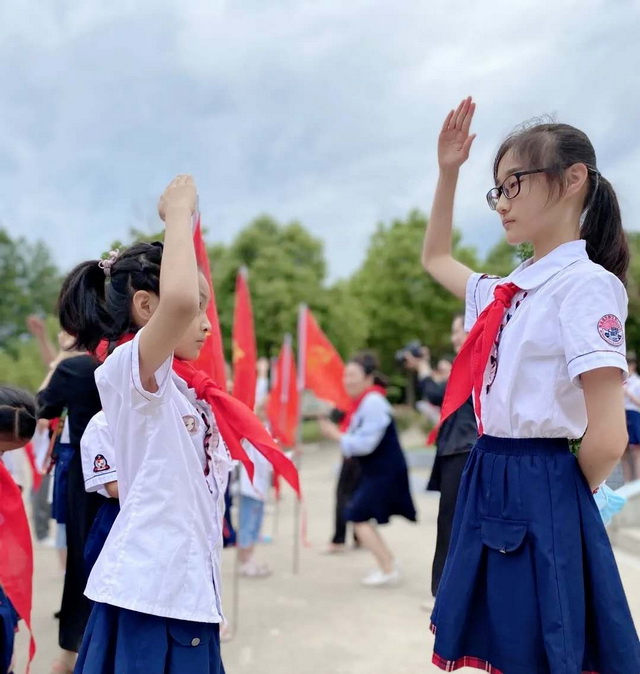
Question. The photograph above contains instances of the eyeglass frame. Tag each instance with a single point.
(517, 175)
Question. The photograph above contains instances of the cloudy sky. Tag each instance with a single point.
(325, 111)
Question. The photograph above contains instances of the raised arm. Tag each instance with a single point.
(454, 144)
(38, 329)
(179, 294)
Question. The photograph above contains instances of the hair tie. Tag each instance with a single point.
(106, 263)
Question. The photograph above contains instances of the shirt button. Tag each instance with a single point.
(195, 642)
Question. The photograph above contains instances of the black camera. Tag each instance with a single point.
(337, 416)
(411, 349)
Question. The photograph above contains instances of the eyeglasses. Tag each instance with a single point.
(510, 187)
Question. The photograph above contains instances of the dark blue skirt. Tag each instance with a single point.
(379, 497)
(118, 641)
(531, 584)
(8, 625)
(99, 531)
(60, 504)
(633, 427)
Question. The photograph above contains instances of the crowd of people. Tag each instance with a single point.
(524, 578)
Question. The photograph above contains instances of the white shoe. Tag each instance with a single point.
(380, 578)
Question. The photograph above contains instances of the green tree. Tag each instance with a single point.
(400, 300)
(29, 283)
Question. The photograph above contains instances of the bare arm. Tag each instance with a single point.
(454, 144)
(46, 348)
(112, 489)
(179, 298)
(606, 437)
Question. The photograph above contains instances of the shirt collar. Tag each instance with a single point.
(530, 274)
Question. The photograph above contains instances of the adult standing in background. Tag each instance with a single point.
(71, 386)
(455, 440)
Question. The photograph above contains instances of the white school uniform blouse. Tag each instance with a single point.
(568, 319)
(633, 386)
(368, 426)
(162, 556)
(98, 455)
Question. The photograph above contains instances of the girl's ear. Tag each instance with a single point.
(143, 306)
(576, 177)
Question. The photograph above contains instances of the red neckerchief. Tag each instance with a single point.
(355, 404)
(467, 373)
(235, 420)
(16, 551)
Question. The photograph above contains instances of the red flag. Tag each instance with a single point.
(16, 552)
(321, 363)
(283, 406)
(36, 475)
(245, 356)
(211, 358)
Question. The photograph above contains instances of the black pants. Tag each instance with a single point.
(451, 468)
(347, 483)
(76, 608)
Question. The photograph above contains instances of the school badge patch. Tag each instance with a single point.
(190, 422)
(100, 464)
(610, 329)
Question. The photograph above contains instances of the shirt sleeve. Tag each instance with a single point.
(119, 382)
(592, 318)
(432, 391)
(368, 427)
(480, 289)
(98, 455)
(54, 398)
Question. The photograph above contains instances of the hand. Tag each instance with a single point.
(454, 141)
(36, 326)
(180, 195)
(330, 430)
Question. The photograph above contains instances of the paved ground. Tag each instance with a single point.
(321, 620)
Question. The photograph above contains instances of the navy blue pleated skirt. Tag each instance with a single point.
(60, 503)
(99, 531)
(118, 641)
(633, 427)
(531, 584)
(8, 625)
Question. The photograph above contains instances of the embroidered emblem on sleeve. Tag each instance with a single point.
(610, 329)
(100, 464)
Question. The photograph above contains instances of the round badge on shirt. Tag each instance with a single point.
(610, 329)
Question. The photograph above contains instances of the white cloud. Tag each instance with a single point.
(324, 112)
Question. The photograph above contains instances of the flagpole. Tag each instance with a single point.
(236, 564)
(297, 457)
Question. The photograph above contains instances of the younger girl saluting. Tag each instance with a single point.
(157, 581)
(531, 584)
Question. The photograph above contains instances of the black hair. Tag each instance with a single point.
(94, 305)
(369, 364)
(555, 147)
(18, 416)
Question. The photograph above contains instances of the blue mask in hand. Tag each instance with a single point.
(609, 503)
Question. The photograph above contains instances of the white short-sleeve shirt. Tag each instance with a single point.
(633, 386)
(162, 556)
(567, 319)
(98, 455)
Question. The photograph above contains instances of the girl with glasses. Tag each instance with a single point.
(531, 584)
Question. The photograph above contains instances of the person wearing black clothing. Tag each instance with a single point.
(72, 386)
(347, 484)
(456, 438)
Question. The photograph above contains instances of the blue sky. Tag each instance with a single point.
(326, 111)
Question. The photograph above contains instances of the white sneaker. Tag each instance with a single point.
(380, 578)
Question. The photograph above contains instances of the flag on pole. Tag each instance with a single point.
(245, 356)
(320, 366)
(211, 358)
(283, 406)
(16, 551)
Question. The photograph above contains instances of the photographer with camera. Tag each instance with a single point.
(455, 439)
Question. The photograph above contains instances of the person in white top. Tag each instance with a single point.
(631, 459)
(253, 495)
(157, 581)
(531, 583)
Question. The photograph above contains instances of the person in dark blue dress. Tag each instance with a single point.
(368, 433)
